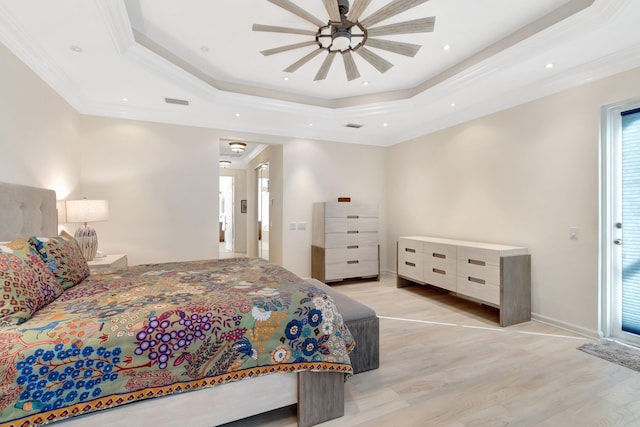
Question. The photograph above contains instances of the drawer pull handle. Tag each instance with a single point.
(437, 255)
(352, 247)
(353, 262)
(410, 264)
(476, 280)
(438, 271)
(352, 232)
(353, 216)
(477, 262)
(413, 251)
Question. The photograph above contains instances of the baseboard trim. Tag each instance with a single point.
(589, 333)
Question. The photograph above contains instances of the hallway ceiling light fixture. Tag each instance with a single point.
(237, 147)
(225, 163)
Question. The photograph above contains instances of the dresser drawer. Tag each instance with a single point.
(339, 240)
(473, 287)
(351, 268)
(488, 273)
(352, 209)
(410, 246)
(410, 265)
(439, 252)
(441, 276)
(343, 225)
(479, 255)
(348, 253)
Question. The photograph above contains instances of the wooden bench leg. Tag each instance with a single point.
(320, 397)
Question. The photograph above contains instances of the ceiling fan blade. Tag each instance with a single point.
(326, 65)
(300, 62)
(350, 66)
(296, 10)
(423, 25)
(374, 59)
(392, 9)
(287, 47)
(288, 30)
(356, 10)
(406, 49)
(332, 8)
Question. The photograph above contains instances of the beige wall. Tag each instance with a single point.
(523, 176)
(162, 185)
(323, 171)
(39, 141)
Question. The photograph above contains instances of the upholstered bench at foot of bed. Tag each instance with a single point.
(364, 325)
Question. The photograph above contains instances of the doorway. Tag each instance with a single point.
(263, 203)
(226, 215)
(620, 222)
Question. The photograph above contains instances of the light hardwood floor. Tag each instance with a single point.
(445, 362)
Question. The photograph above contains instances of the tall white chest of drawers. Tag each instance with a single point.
(344, 241)
(496, 275)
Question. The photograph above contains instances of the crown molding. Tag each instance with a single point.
(29, 51)
(558, 15)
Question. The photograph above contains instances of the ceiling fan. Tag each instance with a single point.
(344, 33)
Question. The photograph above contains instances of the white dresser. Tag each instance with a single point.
(496, 275)
(344, 241)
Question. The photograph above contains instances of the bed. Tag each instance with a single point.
(199, 343)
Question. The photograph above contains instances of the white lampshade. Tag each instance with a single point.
(87, 210)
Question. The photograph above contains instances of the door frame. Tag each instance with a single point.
(609, 254)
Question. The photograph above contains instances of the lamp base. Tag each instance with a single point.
(88, 241)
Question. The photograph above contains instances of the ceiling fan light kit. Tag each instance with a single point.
(344, 33)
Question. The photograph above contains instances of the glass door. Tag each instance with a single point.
(620, 227)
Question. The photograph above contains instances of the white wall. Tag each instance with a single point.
(323, 171)
(162, 185)
(39, 142)
(522, 176)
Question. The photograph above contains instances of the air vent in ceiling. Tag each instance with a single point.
(176, 101)
(353, 125)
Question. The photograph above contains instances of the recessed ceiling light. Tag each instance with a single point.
(385, 124)
(237, 114)
(75, 48)
(125, 99)
(446, 47)
(286, 79)
(310, 124)
(365, 83)
(549, 65)
(453, 104)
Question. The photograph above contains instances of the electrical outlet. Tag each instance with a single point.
(302, 226)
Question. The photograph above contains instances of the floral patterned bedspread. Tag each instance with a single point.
(159, 329)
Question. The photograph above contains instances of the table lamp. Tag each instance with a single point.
(85, 211)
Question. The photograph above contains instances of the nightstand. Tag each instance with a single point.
(108, 261)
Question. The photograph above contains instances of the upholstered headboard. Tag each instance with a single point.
(27, 211)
